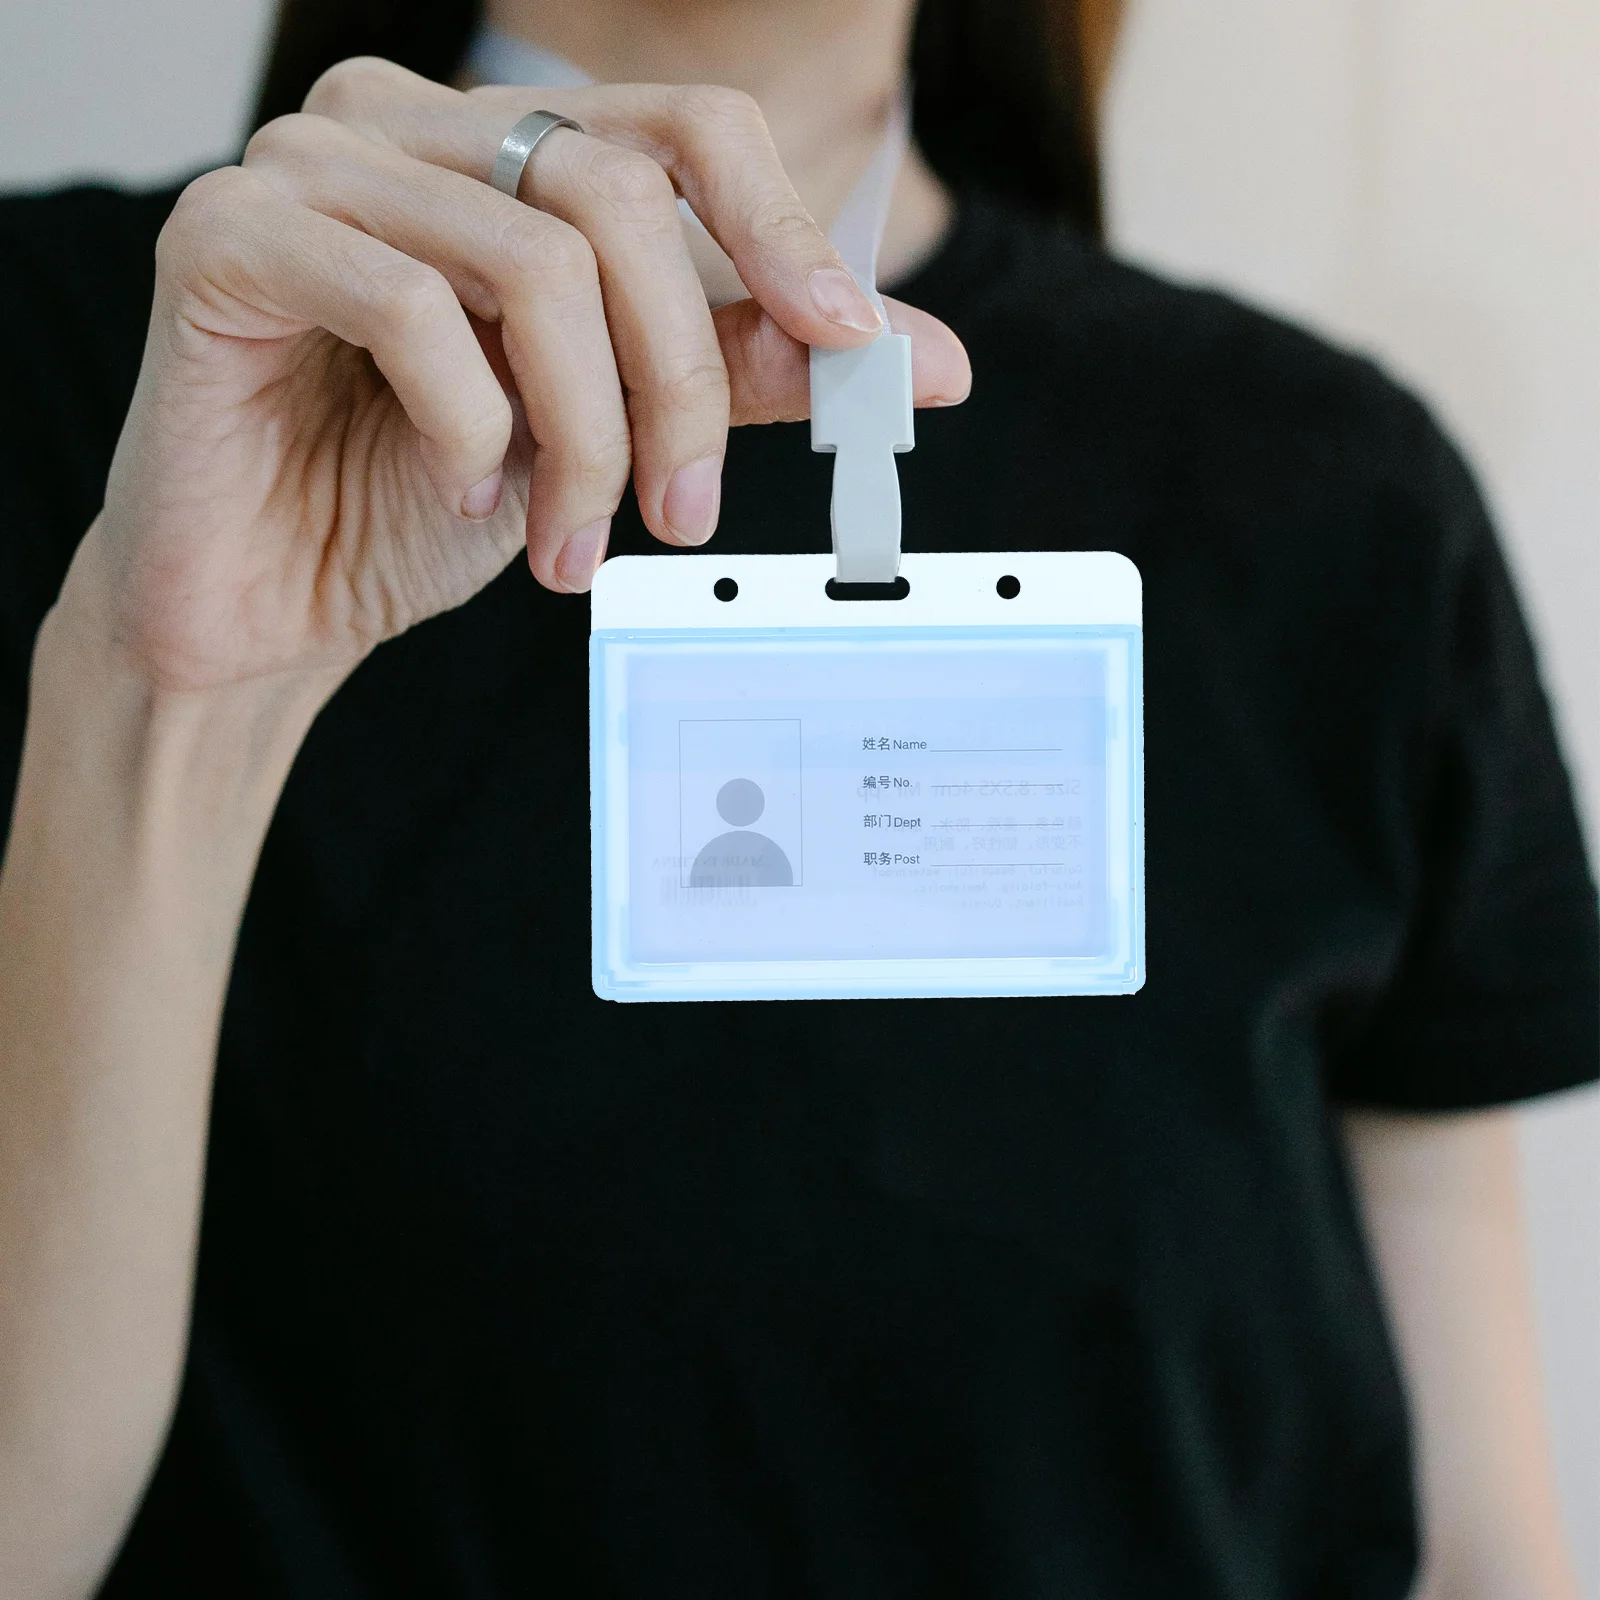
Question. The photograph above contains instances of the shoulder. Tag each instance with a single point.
(1188, 364)
(88, 218)
(77, 271)
(85, 255)
(1225, 443)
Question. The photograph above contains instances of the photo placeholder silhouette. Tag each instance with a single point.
(739, 806)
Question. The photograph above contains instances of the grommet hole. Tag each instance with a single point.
(725, 589)
(1008, 588)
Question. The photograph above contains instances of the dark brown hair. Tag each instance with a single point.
(1002, 97)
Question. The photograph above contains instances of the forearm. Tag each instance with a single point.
(137, 822)
(1441, 1201)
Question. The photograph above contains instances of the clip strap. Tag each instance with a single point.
(861, 411)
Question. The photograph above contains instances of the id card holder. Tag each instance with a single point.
(796, 796)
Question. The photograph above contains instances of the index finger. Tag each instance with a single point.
(712, 142)
(715, 146)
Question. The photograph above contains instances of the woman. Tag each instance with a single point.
(501, 1290)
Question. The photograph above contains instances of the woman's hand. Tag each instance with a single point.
(371, 378)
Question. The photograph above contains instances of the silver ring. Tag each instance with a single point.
(520, 144)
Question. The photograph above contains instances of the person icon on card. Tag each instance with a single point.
(741, 859)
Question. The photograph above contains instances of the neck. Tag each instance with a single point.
(824, 72)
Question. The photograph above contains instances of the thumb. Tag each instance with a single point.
(769, 374)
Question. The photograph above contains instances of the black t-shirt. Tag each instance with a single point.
(507, 1291)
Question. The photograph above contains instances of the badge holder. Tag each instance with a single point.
(865, 776)
(937, 795)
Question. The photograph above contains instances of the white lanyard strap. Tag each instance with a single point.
(860, 399)
(857, 232)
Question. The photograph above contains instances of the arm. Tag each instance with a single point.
(371, 380)
(137, 822)
(1442, 1209)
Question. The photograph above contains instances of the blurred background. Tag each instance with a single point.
(1416, 178)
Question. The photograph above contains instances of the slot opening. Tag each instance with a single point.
(897, 590)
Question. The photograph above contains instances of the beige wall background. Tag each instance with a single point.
(1417, 178)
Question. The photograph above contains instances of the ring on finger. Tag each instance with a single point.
(519, 145)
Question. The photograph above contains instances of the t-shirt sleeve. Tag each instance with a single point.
(1497, 997)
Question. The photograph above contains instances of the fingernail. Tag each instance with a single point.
(581, 556)
(839, 298)
(692, 500)
(483, 499)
